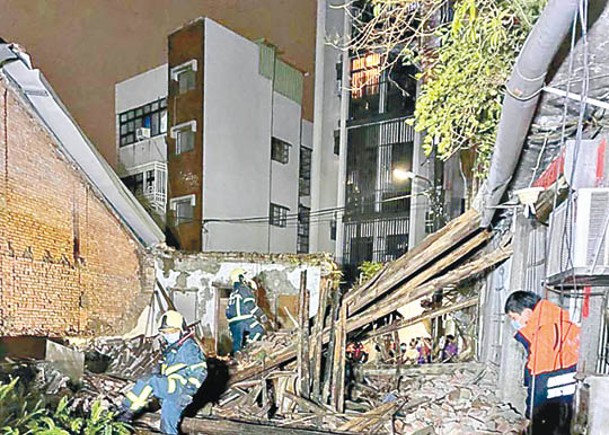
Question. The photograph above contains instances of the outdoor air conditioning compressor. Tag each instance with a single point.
(578, 240)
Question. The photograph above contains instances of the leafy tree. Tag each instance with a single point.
(463, 63)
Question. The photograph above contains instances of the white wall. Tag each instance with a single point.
(284, 190)
(141, 89)
(146, 151)
(236, 142)
(324, 178)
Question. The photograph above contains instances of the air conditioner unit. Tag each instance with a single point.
(142, 133)
(578, 240)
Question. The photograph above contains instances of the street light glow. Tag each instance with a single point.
(402, 174)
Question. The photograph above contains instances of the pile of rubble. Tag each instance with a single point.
(435, 399)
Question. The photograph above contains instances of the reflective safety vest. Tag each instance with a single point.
(184, 364)
(551, 339)
(242, 304)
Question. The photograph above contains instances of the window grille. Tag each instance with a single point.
(302, 245)
(280, 150)
(278, 215)
(304, 184)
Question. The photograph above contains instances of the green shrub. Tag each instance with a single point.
(24, 412)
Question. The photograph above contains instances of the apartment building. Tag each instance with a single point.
(388, 195)
(141, 130)
(231, 138)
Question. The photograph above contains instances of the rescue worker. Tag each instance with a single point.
(182, 371)
(552, 344)
(243, 314)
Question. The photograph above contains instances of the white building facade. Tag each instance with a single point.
(141, 128)
(233, 143)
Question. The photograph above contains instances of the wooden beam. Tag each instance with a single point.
(408, 293)
(303, 337)
(412, 261)
(404, 323)
(338, 371)
(316, 343)
(330, 338)
(227, 427)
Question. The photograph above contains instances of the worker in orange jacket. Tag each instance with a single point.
(552, 343)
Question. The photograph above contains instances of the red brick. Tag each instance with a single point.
(44, 202)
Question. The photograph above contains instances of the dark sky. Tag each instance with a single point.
(84, 47)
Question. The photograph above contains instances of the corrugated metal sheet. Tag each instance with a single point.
(266, 60)
(288, 81)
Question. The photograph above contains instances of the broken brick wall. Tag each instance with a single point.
(199, 286)
(67, 265)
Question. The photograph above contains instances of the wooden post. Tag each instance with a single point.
(338, 372)
(327, 379)
(303, 341)
(317, 341)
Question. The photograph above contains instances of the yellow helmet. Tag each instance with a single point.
(236, 274)
(172, 320)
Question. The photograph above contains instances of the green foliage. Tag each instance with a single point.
(460, 103)
(24, 412)
(368, 269)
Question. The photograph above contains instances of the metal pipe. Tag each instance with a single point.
(522, 95)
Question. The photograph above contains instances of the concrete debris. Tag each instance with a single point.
(444, 399)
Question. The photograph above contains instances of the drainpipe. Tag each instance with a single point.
(522, 95)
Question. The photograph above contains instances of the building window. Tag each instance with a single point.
(304, 182)
(143, 122)
(184, 135)
(302, 244)
(135, 183)
(337, 142)
(365, 75)
(183, 209)
(333, 229)
(396, 245)
(280, 150)
(186, 76)
(278, 215)
(430, 222)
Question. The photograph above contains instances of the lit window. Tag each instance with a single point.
(184, 135)
(186, 76)
(280, 150)
(278, 215)
(365, 75)
(183, 209)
